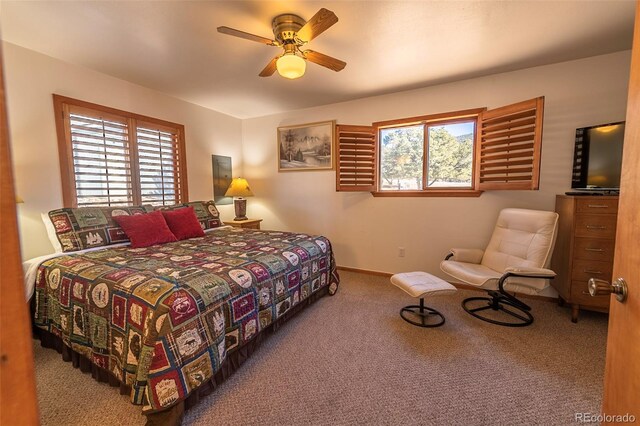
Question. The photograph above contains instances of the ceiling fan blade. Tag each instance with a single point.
(247, 36)
(324, 60)
(318, 24)
(270, 68)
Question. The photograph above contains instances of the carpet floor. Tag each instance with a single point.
(350, 359)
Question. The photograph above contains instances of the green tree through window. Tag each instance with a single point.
(450, 157)
(401, 157)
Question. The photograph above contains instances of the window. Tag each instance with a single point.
(426, 156)
(101, 160)
(158, 164)
(115, 158)
(453, 154)
(401, 156)
(450, 158)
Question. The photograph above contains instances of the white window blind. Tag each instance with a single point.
(159, 166)
(101, 161)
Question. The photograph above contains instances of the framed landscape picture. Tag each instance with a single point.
(306, 147)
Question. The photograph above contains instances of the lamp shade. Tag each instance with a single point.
(19, 199)
(291, 66)
(239, 188)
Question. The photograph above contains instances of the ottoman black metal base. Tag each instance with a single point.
(429, 317)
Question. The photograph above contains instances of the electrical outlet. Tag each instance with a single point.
(400, 251)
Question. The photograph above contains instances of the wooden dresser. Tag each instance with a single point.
(584, 249)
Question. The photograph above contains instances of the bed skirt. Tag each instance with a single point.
(173, 415)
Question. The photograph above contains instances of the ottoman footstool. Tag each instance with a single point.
(422, 284)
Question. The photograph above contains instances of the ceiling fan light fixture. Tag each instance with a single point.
(291, 66)
(291, 32)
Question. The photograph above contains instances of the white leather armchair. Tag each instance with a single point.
(515, 261)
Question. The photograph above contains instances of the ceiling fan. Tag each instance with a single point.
(291, 32)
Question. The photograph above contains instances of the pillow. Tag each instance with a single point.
(183, 223)
(146, 229)
(51, 233)
(88, 227)
(205, 211)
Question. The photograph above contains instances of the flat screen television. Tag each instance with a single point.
(597, 157)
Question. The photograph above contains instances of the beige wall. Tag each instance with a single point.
(366, 232)
(31, 78)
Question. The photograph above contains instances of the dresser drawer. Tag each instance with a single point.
(597, 226)
(584, 269)
(580, 295)
(593, 249)
(590, 205)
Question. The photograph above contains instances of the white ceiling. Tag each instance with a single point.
(173, 46)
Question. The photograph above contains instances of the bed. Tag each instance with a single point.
(167, 323)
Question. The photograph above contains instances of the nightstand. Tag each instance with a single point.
(248, 224)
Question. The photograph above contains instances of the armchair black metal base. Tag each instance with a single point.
(515, 310)
(426, 314)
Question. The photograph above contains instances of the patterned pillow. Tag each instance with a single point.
(206, 212)
(88, 227)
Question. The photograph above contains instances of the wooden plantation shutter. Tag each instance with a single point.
(356, 168)
(110, 157)
(510, 145)
(100, 158)
(160, 164)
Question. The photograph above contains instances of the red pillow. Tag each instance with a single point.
(183, 223)
(145, 230)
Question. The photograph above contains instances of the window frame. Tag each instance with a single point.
(62, 105)
(426, 121)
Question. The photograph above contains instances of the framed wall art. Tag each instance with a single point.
(306, 147)
(221, 178)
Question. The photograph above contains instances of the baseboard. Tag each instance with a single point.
(364, 271)
(457, 285)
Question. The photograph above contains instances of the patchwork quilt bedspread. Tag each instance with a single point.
(163, 318)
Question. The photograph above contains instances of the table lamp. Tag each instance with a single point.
(239, 188)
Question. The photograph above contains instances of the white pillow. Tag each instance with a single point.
(51, 232)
